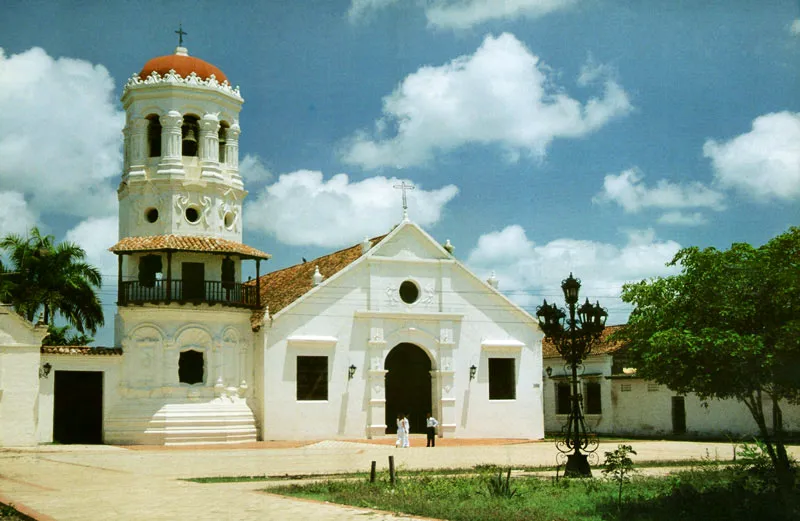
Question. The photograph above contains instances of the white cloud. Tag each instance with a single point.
(628, 191)
(301, 208)
(60, 138)
(95, 235)
(528, 272)
(764, 163)
(795, 28)
(463, 14)
(683, 219)
(15, 215)
(360, 9)
(253, 171)
(500, 95)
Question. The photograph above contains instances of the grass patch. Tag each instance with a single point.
(712, 492)
(437, 472)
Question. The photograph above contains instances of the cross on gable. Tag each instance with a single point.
(403, 186)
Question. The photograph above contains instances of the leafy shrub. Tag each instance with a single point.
(619, 466)
(499, 488)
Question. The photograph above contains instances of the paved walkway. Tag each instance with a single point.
(116, 483)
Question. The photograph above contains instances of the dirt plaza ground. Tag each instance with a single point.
(100, 482)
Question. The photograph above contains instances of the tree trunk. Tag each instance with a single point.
(784, 469)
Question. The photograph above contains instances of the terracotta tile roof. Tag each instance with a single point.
(602, 346)
(185, 243)
(81, 350)
(281, 288)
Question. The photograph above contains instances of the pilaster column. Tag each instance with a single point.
(376, 380)
(171, 164)
(232, 153)
(209, 146)
(136, 147)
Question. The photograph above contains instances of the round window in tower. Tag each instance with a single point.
(409, 292)
(229, 219)
(151, 214)
(192, 215)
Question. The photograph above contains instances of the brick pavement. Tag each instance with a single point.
(116, 483)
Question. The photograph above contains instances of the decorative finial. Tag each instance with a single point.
(366, 245)
(492, 280)
(318, 278)
(181, 33)
(403, 186)
(449, 247)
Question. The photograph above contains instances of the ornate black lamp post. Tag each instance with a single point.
(573, 338)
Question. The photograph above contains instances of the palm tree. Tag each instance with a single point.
(54, 278)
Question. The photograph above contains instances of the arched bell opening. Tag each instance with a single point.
(153, 136)
(408, 386)
(189, 132)
(223, 135)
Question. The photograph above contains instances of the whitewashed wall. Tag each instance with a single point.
(109, 365)
(19, 378)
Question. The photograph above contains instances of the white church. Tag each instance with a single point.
(335, 347)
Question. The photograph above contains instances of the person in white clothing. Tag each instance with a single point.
(406, 430)
(430, 427)
(400, 431)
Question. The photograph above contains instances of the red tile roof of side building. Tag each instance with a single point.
(81, 350)
(601, 346)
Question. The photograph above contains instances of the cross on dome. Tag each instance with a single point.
(403, 186)
(181, 33)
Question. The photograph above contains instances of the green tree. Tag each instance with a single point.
(64, 336)
(53, 278)
(727, 326)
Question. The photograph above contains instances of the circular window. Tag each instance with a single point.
(192, 215)
(409, 292)
(229, 220)
(151, 214)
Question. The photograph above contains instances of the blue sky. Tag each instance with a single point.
(543, 136)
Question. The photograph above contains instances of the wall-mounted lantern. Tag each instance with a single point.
(472, 371)
(44, 371)
(351, 372)
(549, 371)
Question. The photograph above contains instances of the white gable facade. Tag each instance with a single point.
(405, 328)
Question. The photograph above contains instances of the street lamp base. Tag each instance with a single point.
(577, 466)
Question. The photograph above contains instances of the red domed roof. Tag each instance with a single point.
(182, 64)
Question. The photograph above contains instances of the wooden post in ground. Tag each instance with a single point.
(372, 472)
(391, 470)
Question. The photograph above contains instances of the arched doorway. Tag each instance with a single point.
(408, 386)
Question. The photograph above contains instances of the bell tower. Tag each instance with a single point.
(183, 311)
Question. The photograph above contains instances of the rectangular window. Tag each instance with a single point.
(562, 398)
(593, 402)
(651, 387)
(502, 385)
(312, 378)
(625, 388)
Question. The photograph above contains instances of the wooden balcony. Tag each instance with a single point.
(206, 292)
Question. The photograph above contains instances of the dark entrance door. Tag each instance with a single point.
(78, 407)
(408, 386)
(678, 415)
(193, 276)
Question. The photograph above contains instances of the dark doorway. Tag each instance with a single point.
(193, 276)
(78, 407)
(678, 415)
(408, 387)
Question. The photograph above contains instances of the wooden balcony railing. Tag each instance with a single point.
(176, 290)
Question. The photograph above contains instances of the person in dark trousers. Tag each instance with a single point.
(430, 425)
